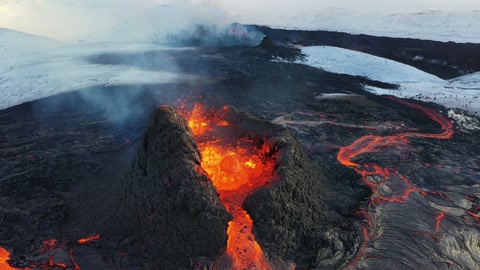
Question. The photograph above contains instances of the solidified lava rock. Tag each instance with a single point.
(266, 44)
(166, 200)
(163, 200)
(285, 51)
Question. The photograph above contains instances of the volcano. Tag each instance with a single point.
(246, 162)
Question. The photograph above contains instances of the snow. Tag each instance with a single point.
(344, 61)
(39, 67)
(470, 81)
(461, 26)
(460, 93)
(15, 43)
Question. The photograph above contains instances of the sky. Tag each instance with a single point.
(63, 19)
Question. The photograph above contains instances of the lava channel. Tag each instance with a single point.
(49, 247)
(381, 179)
(237, 168)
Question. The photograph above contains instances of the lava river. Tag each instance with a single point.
(387, 184)
(237, 167)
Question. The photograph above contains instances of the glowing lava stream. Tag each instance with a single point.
(49, 247)
(237, 169)
(389, 177)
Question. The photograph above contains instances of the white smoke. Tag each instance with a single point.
(70, 19)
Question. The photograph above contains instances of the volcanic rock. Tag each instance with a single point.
(286, 52)
(266, 44)
(163, 200)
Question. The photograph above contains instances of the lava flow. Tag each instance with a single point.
(49, 248)
(4, 257)
(387, 184)
(237, 167)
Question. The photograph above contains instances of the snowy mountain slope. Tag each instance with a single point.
(413, 83)
(471, 81)
(338, 60)
(430, 25)
(46, 69)
(14, 43)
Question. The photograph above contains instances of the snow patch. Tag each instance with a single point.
(462, 93)
(39, 67)
(344, 61)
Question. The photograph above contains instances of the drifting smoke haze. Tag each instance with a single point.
(69, 20)
(183, 23)
(66, 20)
(110, 73)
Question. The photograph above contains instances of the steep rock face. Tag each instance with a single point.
(286, 214)
(166, 200)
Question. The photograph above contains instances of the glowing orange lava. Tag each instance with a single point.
(49, 247)
(237, 168)
(89, 239)
(389, 185)
(4, 257)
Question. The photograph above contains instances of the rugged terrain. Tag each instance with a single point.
(420, 210)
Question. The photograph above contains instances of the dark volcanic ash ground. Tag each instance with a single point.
(51, 149)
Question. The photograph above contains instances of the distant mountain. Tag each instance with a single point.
(470, 81)
(430, 25)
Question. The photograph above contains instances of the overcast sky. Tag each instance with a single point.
(69, 18)
(359, 5)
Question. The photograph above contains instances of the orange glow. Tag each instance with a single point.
(390, 177)
(89, 239)
(75, 265)
(4, 257)
(237, 167)
(49, 246)
(198, 122)
(439, 221)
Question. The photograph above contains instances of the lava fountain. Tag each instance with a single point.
(237, 168)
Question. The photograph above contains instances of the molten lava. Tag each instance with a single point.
(4, 257)
(49, 247)
(387, 184)
(237, 167)
(89, 239)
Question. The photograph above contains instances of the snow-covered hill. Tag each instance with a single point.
(430, 25)
(33, 67)
(14, 43)
(88, 20)
(470, 81)
(351, 62)
(462, 93)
